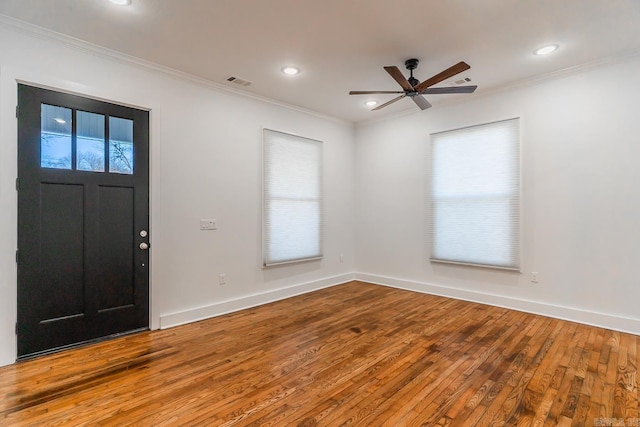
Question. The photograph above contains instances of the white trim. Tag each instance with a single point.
(81, 94)
(103, 52)
(11, 77)
(291, 261)
(513, 85)
(242, 303)
(476, 125)
(295, 135)
(91, 48)
(470, 264)
(266, 234)
(601, 320)
(444, 137)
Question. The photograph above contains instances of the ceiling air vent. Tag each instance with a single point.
(238, 81)
(462, 81)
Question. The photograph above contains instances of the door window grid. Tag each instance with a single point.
(75, 140)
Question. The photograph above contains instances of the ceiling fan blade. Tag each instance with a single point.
(421, 102)
(389, 102)
(371, 92)
(399, 77)
(455, 89)
(444, 75)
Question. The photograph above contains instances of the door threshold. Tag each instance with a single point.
(79, 344)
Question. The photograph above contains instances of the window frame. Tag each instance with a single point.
(517, 237)
(266, 263)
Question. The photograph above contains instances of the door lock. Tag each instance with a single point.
(143, 246)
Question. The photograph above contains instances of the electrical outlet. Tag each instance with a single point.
(208, 224)
(222, 279)
(341, 258)
(534, 277)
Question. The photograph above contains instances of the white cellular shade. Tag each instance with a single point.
(292, 211)
(475, 195)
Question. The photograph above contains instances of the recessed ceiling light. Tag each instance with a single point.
(59, 120)
(545, 50)
(291, 71)
(121, 2)
(371, 103)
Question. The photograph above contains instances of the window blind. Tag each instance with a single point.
(292, 210)
(475, 195)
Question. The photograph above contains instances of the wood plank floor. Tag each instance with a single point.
(354, 354)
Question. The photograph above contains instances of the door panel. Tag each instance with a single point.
(116, 281)
(82, 201)
(61, 227)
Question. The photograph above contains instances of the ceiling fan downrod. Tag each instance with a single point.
(411, 65)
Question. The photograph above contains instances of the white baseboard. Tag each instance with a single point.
(224, 307)
(604, 320)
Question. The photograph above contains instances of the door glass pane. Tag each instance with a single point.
(120, 145)
(55, 137)
(90, 142)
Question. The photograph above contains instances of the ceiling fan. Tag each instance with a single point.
(414, 89)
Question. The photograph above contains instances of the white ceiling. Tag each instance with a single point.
(342, 45)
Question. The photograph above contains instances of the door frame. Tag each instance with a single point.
(100, 89)
(93, 312)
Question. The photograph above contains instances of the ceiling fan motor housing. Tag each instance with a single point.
(411, 64)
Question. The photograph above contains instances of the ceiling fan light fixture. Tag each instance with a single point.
(121, 2)
(291, 71)
(545, 50)
(371, 103)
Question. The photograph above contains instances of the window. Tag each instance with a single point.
(475, 195)
(121, 145)
(61, 141)
(90, 142)
(55, 137)
(292, 210)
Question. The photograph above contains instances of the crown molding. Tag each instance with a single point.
(517, 84)
(103, 52)
(564, 72)
(32, 30)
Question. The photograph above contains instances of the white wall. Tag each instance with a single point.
(205, 163)
(581, 198)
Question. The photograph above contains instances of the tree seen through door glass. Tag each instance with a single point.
(120, 145)
(90, 141)
(55, 137)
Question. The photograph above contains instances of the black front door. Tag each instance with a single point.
(83, 220)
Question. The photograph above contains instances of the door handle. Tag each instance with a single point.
(144, 246)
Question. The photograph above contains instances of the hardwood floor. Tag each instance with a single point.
(354, 354)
